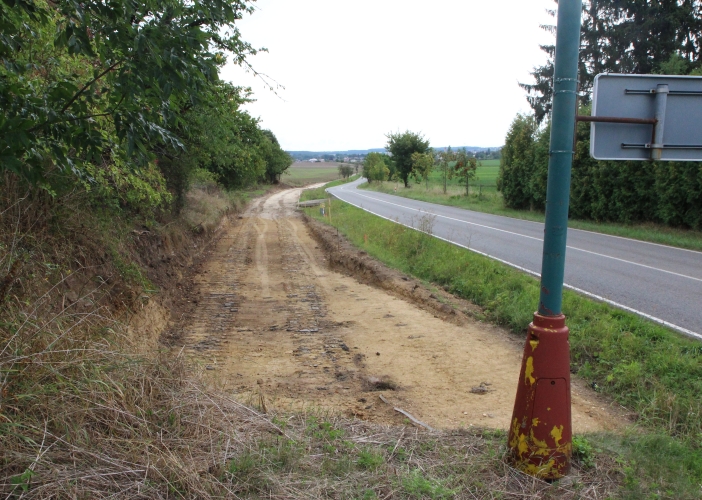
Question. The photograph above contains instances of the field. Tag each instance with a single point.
(303, 173)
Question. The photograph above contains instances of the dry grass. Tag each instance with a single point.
(80, 416)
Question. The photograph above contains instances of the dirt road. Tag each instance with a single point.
(275, 325)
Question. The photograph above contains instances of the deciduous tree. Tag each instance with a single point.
(422, 164)
(465, 167)
(374, 168)
(402, 146)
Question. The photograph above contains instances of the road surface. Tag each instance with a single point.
(659, 282)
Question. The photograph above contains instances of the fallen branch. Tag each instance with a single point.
(407, 414)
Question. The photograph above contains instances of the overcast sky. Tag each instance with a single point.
(354, 71)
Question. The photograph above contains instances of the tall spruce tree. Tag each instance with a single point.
(624, 36)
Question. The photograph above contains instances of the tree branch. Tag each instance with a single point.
(74, 119)
(87, 85)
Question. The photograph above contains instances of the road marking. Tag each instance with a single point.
(604, 235)
(660, 321)
(534, 238)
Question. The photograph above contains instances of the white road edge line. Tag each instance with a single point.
(355, 186)
(532, 238)
(660, 321)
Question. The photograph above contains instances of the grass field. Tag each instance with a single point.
(304, 173)
(484, 197)
(653, 372)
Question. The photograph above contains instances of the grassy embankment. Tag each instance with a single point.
(488, 199)
(653, 372)
(82, 394)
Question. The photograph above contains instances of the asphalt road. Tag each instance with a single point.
(659, 282)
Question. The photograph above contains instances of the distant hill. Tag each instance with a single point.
(314, 154)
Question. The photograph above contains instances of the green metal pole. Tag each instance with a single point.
(540, 434)
(565, 87)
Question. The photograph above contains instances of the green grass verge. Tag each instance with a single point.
(487, 199)
(319, 193)
(652, 371)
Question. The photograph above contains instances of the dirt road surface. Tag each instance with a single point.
(276, 326)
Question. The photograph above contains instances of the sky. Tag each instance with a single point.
(352, 72)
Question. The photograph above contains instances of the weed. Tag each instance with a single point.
(416, 485)
(583, 452)
(368, 459)
(369, 495)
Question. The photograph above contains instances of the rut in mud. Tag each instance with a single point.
(275, 325)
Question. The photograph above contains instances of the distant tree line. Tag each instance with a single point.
(625, 37)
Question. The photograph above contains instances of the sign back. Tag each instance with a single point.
(673, 104)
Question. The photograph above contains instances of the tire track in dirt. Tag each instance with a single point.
(275, 324)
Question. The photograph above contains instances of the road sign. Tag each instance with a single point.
(646, 117)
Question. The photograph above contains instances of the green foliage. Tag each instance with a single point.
(465, 168)
(23, 481)
(446, 159)
(417, 486)
(422, 165)
(375, 168)
(675, 65)
(618, 191)
(653, 465)
(625, 37)
(402, 146)
(345, 171)
(277, 161)
(583, 452)
(367, 459)
(517, 163)
(85, 77)
(123, 100)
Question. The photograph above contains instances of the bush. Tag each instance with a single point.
(614, 191)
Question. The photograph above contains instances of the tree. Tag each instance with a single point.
(517, 162)
(402, 146)
(446, 164)
(277, 160)
(625, 36)
(345, 171)
(80, 78)
(465, 167)
(374, 168)
(422, 164)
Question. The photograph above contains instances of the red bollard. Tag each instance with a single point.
(540, 437)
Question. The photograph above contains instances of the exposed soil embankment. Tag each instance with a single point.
(290, 322)
(344, 257)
